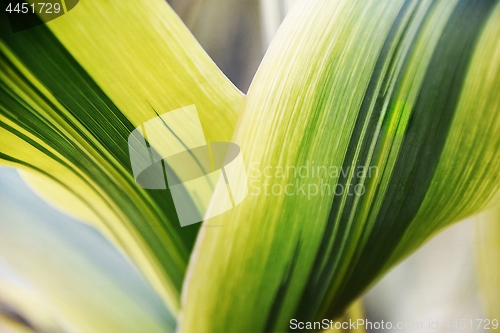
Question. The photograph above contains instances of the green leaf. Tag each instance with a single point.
(398, 98)
(401, 99)
(71, 95)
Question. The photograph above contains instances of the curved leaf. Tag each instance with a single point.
(71, 95)
(400, 99)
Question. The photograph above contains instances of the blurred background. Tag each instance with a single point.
(438, 282)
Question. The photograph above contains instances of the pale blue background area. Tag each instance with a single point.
(28, 223)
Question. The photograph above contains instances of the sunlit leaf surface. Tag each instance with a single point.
(407, 89)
